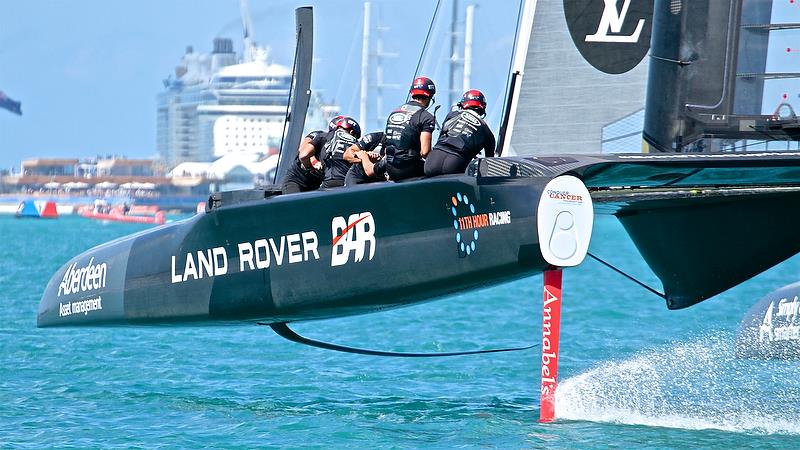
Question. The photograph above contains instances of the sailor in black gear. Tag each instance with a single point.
(301, 178)
(337, 141)
(370, 146)
(304, 178)
(464, 134)
(409, 132)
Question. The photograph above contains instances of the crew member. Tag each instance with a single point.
(409, 131)
(345, 134)
(464, 134)
(371, 147)
(306, 177)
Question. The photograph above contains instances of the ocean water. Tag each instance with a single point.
(632, 373)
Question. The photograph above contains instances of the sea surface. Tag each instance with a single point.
(632, 374)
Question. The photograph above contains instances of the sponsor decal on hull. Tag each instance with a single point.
(565, 196)
(786, 315)
(85, 279)
(259, 254)
(353, 239)
(564, 220)
(467, 222)
(80, 306)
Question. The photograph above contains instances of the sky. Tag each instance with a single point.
(88, 72)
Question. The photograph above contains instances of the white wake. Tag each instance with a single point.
(694, 385)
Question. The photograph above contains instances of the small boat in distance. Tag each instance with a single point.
(123, 213)
(37, 209)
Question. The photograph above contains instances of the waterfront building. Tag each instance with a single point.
(49, 167)
(125, 167)
(230, 172)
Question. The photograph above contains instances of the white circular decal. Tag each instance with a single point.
(564, 221)
(397, 118)
(467, 116)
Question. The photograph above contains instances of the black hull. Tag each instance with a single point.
(273, 260)
(703, 223)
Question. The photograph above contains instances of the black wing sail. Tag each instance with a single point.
(301, 90)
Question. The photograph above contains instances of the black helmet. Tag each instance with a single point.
(332, 123)
(422, 86)
(474, 99)
(350, 125)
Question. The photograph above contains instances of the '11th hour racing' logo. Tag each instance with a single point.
(354, 236)
(467, 222)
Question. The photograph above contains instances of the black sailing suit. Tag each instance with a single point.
(300, 179)
(356, 175)
(336, 167)
(464, 134)
(402, 142)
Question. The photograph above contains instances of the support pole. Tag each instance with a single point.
(551, 332)
(468, 48)
(362, 113)
(451, 87)
(379, 80)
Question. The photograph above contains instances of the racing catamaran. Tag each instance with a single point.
(703, 221)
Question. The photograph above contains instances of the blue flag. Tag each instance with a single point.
(9, 104)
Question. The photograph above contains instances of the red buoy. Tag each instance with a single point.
(49, 211)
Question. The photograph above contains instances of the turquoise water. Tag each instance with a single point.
(633, 374)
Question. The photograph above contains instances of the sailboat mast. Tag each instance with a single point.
(468, 27)
(453, 52)
(362, 111)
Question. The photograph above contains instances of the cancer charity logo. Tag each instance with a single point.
(354, 236)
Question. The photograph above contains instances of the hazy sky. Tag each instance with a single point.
(87, 72)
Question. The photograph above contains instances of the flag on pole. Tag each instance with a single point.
(9, 104)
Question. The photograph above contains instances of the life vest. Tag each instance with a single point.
(399, 136)
(333, 154)
(462, 134)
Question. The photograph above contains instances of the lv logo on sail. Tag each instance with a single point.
(611, 23)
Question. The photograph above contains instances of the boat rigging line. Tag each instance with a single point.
(289, 112)
(283, 330)
(598, 259)
(750, 144)
(510, 85)
(425, 44)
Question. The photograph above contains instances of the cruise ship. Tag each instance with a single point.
(220, 104)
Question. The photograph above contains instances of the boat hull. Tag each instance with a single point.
(308, 256)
